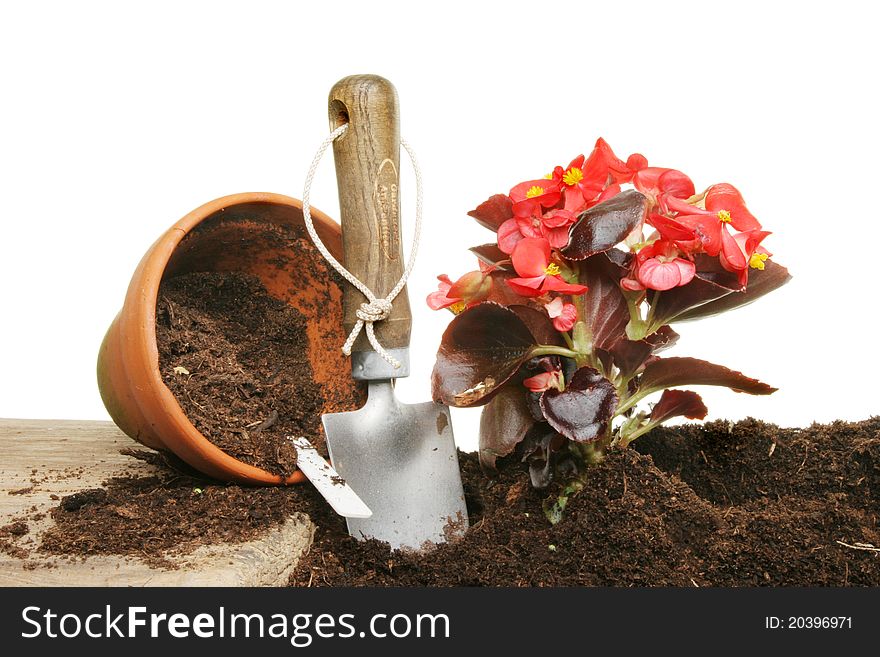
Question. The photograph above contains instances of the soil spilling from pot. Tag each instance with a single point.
(236, 360)
(746, 504)
(159, 518)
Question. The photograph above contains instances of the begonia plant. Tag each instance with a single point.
(558, 332)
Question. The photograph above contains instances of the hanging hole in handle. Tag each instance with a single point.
(338, 113)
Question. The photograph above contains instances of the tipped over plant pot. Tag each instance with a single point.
(244, 244)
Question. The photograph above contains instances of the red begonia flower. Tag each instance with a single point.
(660, 267)
(545, 381)
(748, 254)
(656, 181)
(555, 226)
(724, 205)
(670, 229)
(564, 315)
(530, 196)
(440, 298)
(509, 235)
(584, 181)
(636, 162)
(618, 170)
(469, 290)
(538, 275)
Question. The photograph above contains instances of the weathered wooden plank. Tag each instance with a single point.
(43, 458)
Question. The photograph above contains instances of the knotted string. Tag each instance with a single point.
(375, 309)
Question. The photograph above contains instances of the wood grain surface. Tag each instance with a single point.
(368, 178)
(42, 458)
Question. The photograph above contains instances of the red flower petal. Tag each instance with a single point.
(440, 299)
(525, 205)
(636, 162)
(543, 381)
(556, 284)
(530, 226)
(676, 184)
(607, 193)
(708, 229)
(750, 241)
(655, 181)
(558, 218)
(527, 287)
(670, 229)
(566, 318)
(558, 237)
(687, 269)
(631, 284)
(509, 235)
(656, 275)
(725, 196)
(614, 166)
(531, 257)
(731, 256)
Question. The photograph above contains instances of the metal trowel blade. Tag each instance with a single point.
(401, 460)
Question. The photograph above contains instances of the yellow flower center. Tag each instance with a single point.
(724, 216)
(548, 176)
(458, 308)
(552, 269)
(534, 191)
(573, 176)
(757, 261)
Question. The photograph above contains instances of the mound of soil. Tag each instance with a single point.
(154, 518)
(746, 504)
(236, 360)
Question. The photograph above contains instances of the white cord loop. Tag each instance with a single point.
(375, 309)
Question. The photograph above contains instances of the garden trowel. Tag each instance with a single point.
(399, 458)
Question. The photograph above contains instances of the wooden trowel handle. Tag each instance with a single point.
(367, 174)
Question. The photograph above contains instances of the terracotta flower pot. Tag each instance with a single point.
(234, 233)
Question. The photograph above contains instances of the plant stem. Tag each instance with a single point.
(552, 350)
(583, 340)
(637, 328)
(632, 401)
(624, 441)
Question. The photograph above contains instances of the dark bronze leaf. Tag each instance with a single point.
(539, 324)
(679, 371)
(706, 286)
(630, 355)
(602, 226)
(480, 351)
(538, 448)
(503, 424)
(606, 310)
(662, 339)
(493, 212)
(674, 403)
(582, 411)
(761, 282)
(492, 255)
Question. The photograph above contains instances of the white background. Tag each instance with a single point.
(116, 119)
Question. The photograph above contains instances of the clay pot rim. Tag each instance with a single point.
(149, 293)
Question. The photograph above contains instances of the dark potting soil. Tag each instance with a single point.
(745, 504)
(158, 518)
(236, 360)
